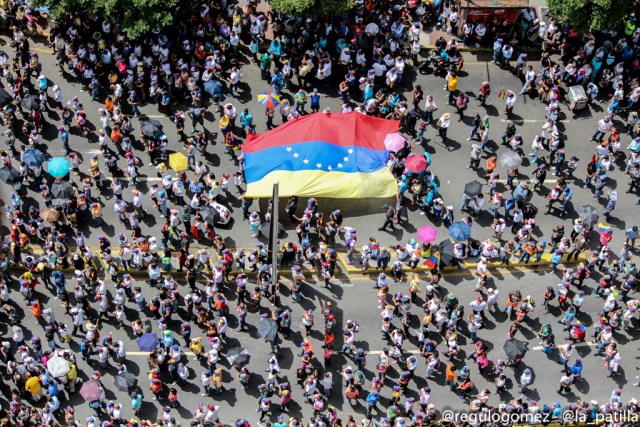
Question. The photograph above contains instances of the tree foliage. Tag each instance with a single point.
(135, 17)
(593, 15)
(313, 8)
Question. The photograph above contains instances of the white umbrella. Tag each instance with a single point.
(58, 366)
(510, 160)
(372, 29)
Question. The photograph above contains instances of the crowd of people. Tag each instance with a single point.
(362, 58)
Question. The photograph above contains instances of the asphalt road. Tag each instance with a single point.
(351, 293)
(449, 166)
(354, 299)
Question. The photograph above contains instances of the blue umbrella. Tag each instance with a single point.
(148, 342)
(213, 87)
(33, 157)
(460, 231)
(58, 167)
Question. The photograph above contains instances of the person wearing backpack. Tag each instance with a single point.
(549, 295)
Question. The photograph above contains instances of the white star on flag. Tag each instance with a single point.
(346, 159)
(319, 165)
(339, 165)
(289, 149)
(350, 151)
(306, 162)
(296, 155)
(330, 168)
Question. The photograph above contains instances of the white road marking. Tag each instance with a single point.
(546, 181)
(580, 344)
(532, 121)
(189, 353)
(140, 178)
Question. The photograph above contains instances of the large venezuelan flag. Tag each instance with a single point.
(322, 155)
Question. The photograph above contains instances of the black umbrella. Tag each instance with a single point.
(62, 190)
(589, 214)
(151, 128)
(213, 87)
(473, 188)
(266, 229)
(9, 175)
(5, 98)
(31, 102)
(515, 349)
(268, 329)
(124, 382)
(446, 251)
(210, 215)
(33, 157)
(238, 356)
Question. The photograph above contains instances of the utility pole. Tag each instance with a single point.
(273, 235)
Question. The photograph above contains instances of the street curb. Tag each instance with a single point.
(468, 266)
(346, 269)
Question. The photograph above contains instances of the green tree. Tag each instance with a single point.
(593, 15)
(136, 17)
(313, 8)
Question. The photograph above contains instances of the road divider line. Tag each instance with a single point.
(532, 121)
(580, 344)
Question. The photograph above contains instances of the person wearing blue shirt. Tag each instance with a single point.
(397, 29)
(52, 389)
(54, 405)
(64, 136)
(567, 193)
(368, 92)
(497, 51)
(372, 400)
(402, 185)
(195, 187)
(394, 100)
(166, 102)
(556, 412)
(576, 368)
(42, 83)
(275, 49)
(314, 99)
(631, 236)
(280, 422)
(277, 82)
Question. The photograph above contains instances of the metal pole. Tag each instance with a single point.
(273, 234)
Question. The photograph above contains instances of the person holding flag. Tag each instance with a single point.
(510, 103)
(606, 233)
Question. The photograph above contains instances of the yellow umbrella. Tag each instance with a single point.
(178, 162)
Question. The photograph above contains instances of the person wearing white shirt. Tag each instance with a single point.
(399, 65)
(529, 78)
(443, 125)
(510, 102)
(604, 126)
(480, 31)
(525, 380)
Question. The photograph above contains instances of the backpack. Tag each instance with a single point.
(552, 294)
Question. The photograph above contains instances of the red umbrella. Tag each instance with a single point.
(415, 164)
(427, 234)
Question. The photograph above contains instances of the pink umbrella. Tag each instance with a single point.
(427, 234)
(91, 391)
(394, 142)
(415, 164)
